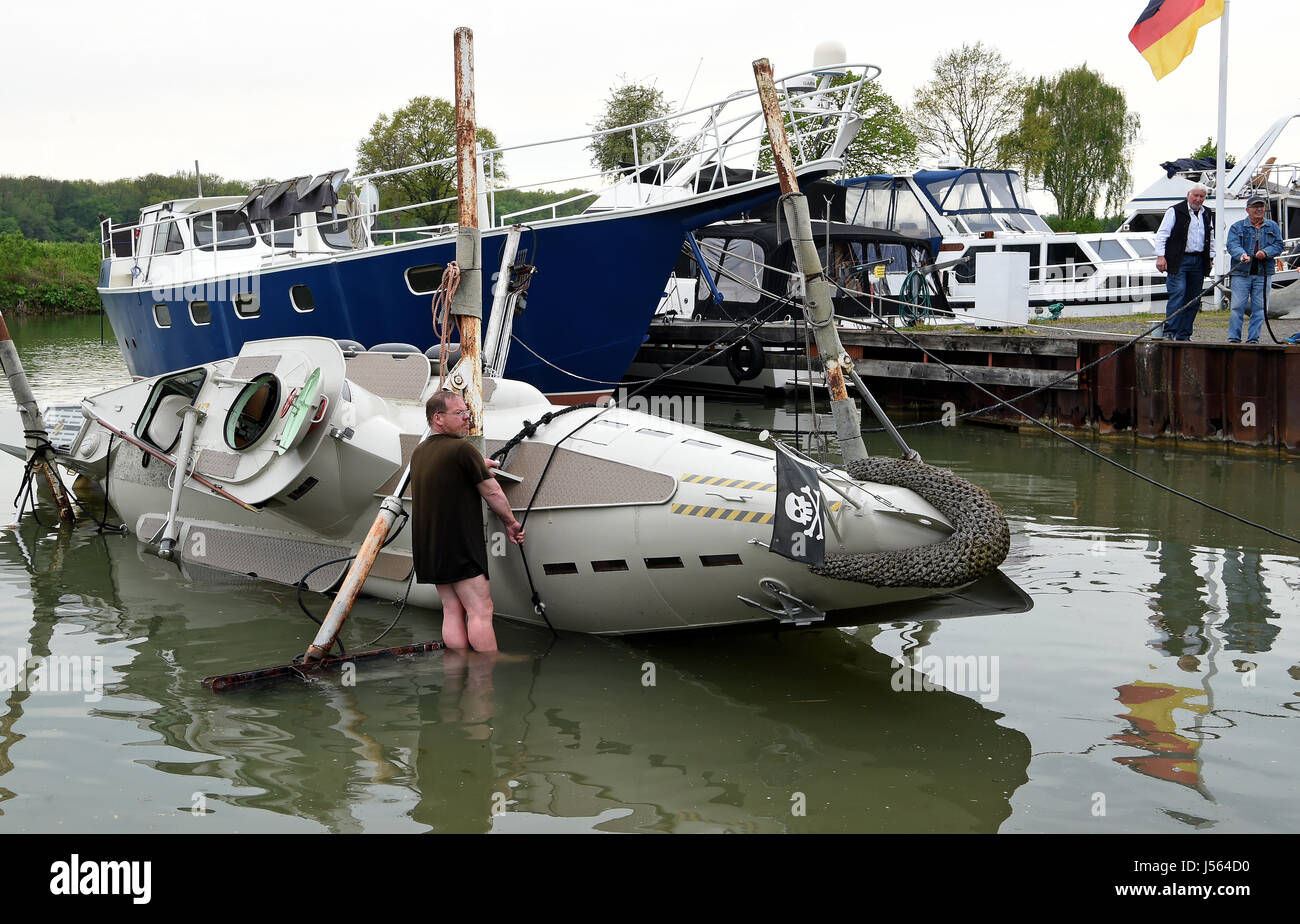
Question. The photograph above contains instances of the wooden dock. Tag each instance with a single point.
(1210, 393)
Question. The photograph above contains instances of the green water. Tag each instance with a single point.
(1150, 689)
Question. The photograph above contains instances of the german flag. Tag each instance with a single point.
(1165, 33)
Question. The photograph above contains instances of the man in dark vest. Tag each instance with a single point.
(449, 482)
(1185, 248)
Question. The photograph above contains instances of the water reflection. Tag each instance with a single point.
(731, 731)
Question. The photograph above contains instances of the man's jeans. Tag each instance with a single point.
(1184, 284)
(1247, 290)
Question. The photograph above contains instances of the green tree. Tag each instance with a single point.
(421, 131)
(886, 143)
(1210, 149)
(1076, 134)
(628, 104)
(972, 100)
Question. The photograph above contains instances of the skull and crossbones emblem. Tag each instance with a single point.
(805, 508)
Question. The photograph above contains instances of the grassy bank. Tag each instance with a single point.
(47, 277)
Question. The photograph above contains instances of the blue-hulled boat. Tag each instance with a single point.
(195, 279)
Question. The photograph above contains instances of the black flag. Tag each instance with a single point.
(797, 526)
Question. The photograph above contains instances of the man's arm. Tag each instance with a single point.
(1274, 248)
(1236, 249)
(497, 503)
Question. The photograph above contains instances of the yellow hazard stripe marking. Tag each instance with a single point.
(729, 482)
(722, 513)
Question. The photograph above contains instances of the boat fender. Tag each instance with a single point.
(745, 359)
(979, 542)
(350, 346)
(393, 348)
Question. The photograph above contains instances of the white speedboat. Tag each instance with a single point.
(275, 461)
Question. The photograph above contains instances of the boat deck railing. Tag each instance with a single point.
(709, 147)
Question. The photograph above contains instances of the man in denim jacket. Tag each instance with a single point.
(1253, 244)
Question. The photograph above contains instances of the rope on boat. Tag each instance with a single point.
(978, 545)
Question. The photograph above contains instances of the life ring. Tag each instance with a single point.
(745, 359)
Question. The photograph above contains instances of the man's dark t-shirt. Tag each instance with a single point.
(447, 518)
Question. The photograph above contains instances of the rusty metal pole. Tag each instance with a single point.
(468, 301)
(817, 304)
(38, 441)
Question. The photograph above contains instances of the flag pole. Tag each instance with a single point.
(1220, 185)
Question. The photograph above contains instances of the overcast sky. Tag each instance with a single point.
(280, 89)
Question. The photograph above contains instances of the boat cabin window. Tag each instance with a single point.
(965, 270)
(160, 423)
(1001, 196)
(1142, 246)
(162, 315)
(1110, 249)
(168, 237)
(910, 217)
(868, 204)
(282, 229)
(737, 268)
(247, 305)
(253, 412)
(334, 230)
(302, 298)
(233, 231)
(1068, 261)
(200, 313)
(424, 280)
(1035, 258)
(982, 221)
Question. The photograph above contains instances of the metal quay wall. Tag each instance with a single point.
(1209, 394)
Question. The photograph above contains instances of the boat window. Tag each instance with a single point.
(302, 298)
(1036, 223)
(160, 423)
(750, 455)
(424, 280)
(162, 315)
(233, 231)
(1016, 221)
(253, 412)
(895, 254)
(909, 215)
(247, 305)
(999, 192)
(560, 567)
(612, 564)
(718, 561)
(654, 564)
(334, 230)
(168, 239)
(282, 228)
(1142, 246)
(742, 259)
(1110, 249)
(844, 263)
(965, 194)
(1068, 261)
(648, 431)
(700, 443)
(200, 313)
(869, 204)
(965, 270)
(148, 229)
(1035, 258)
(982, 221)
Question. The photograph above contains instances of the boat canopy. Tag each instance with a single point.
(976, 200)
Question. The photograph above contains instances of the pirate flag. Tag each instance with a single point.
(797, 525)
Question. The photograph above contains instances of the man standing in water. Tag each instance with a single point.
(1185, 244)
(449, 479)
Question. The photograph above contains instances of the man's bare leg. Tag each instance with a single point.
(453, 617)
(475, 596)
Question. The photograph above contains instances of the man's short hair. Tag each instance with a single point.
(1200, 186)
(437, 403)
